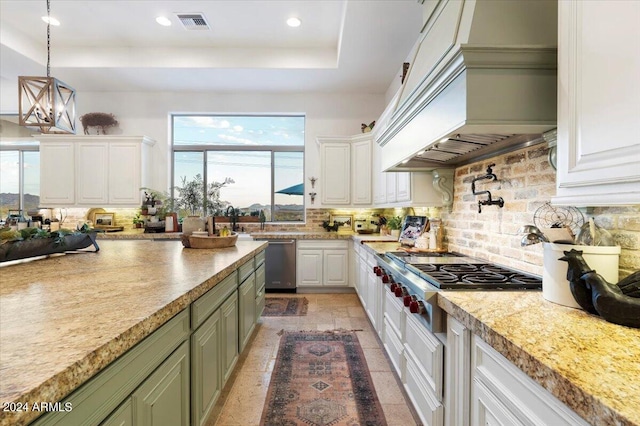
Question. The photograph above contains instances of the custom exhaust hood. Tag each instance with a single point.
(482, 82)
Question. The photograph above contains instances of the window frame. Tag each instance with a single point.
(204, 148)
(21, 150)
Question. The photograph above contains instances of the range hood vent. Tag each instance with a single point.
(483, 81)
(193, 21)
(451, 148)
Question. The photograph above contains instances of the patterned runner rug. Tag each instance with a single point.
(321, 379)
(285, 306)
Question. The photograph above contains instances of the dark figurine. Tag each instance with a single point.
(100, 120)
(617, 303)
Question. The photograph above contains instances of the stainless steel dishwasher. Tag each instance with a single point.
(280, 265)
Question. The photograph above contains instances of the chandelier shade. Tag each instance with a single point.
(47, 103)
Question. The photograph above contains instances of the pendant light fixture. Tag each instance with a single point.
(47, 102)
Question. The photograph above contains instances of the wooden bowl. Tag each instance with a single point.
(213, 242)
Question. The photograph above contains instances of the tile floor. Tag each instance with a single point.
(243, 397)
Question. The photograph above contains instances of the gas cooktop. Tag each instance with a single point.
(456, 271)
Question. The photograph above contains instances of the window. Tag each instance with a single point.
(253, 163)
(19, 179)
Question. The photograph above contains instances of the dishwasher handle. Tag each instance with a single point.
(281, 242)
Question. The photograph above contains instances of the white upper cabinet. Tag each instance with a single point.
(57, 173)
(93, 170)
(599, 103)
(345, 170)
(361, 171)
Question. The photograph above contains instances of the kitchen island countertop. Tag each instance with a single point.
(65, 318)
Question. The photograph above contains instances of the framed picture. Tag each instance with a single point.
(412, 228)
(342, 220)
(104, 219)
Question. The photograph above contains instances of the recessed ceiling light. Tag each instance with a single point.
(445, 139)
(421, 152)
(51, 20)
(405, 161)
(165, 22)
(294, 22)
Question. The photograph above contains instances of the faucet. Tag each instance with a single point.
(233, 217)
(489, 201)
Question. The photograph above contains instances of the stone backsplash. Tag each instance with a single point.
(525, 181)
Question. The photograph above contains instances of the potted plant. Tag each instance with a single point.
(138, 221)
(196, 199)
(394, 225)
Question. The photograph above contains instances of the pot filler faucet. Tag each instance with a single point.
(489, 201)
(233, 217)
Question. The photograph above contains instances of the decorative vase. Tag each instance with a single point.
(395, 233)
(192, 223)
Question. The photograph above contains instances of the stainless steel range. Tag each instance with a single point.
(418, 277)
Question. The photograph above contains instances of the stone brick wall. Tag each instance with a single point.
(525, 181)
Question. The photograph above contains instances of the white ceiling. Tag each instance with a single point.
(351, 46)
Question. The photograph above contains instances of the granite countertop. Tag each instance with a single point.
(139, 234)
(301, 235)
(50, 341)
(591, 365)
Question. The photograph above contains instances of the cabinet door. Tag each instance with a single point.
(391, 187)
(335, 163)
(309, 267)
(357, 261)
(369, 293)
(361, 172)
(598, 103)
(489, 410)
(260, 293)
(206, 368)
(124, 173)
(247, 302)
(123, 416)
(377, 288)
(458, 373)
(57, 173)
(230, 335)
(92, 170)
(379, 177)
(163, 398)
(336, 267)
(403, 186)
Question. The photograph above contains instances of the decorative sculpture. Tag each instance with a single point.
(617, 303)
(100, 120)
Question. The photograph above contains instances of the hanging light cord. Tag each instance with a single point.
(48, 37)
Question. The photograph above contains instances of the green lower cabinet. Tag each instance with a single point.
(229, 343)
(260, 291)
(123, 416)
(247, 302)
(163, 398)
(206, 382)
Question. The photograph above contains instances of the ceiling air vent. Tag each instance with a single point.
(193, 21)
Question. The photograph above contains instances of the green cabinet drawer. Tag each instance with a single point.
(211, 300)
(259, 259)
(245, 270)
